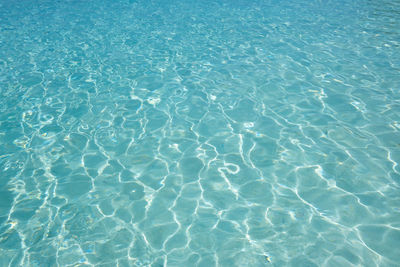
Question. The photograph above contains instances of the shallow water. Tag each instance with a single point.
(199, 133)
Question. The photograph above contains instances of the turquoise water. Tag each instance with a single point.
(199, 133)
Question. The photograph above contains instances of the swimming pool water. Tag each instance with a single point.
(199, 133)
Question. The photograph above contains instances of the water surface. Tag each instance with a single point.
(199, 133)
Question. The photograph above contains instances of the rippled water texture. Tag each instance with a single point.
(199, 133)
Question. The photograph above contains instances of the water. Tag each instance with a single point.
(199, 133)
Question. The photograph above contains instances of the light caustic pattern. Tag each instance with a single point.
(199, 133)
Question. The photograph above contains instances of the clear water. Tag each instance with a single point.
(199, 133)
